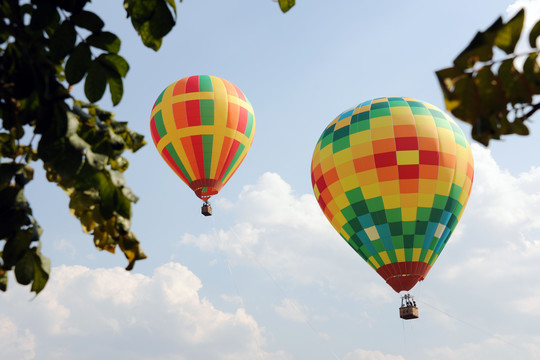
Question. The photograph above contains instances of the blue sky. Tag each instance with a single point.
(267, 277)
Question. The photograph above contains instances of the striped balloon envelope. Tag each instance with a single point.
(393, 176)
(203, 127)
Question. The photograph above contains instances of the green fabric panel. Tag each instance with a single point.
(207, 141)
(249, 125)
(207, 111)
(174, 155)
(398, 242)
(160, 126)
(235, 159)
(160, 98)
(392, 256)
(408, 254)
(380, 112)
(340, 144)
(205, 83)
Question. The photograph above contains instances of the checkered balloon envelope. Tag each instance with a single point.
(393, 176)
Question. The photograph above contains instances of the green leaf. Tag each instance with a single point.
(15, 247)
(45, 14)
(162, 21)
(88, 20)
(489, 91)
(7, 172)
(42, 269)
(107, 193)
(123, 205)
(480, 48)
(172, 4)
(78, 63)
(533, 36)
(286, 5)
(105, 40)
(63, 40)
(116, 87)
(24, 175)
(148, 38)
(508, 36)
(3, 280)
(115, 62)
(514, 84)
(24, 268)
(531, 71)
(140, 10)
(96, 81)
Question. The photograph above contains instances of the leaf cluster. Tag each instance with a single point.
(488, 91)
(46, 47)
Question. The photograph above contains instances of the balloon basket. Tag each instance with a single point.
(206, 209)
(408, 309)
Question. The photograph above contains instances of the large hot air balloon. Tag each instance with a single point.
(203, 127)
(393, 176)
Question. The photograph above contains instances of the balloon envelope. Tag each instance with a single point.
(203, 127)
(393, 176)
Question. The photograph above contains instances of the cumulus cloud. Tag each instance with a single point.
(490, 262)
(292, 310)
(16, 343)
(288, 235)
(88, 314)
(360, 354)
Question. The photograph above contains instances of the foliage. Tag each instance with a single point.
(486, 87)
(46, 47)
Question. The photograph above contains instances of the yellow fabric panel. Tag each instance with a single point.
(350, 182)
(391, 201)
(341, 200)
(426, 199)
(361, 137)
(389, 188)
(400, 255)
(175, 134)
(368, 177)
(221, 108)
(371, 191)
(408, 213)
(342, 157)
(384, 257)
(408, 157)
(380, 133)
(342, 123)
(416, 254)
(443, 187)
(429, 254)
(381, 122)
(425, 126)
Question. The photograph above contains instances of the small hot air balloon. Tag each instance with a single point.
(393, 176)
(203, 127)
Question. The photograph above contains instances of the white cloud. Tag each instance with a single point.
(292, 310)
(126, 315)
(360, 354)
(16, 344)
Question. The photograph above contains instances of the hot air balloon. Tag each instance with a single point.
(393, 176)
(203, 127)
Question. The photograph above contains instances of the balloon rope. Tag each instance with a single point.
(305, 319)
(479, 328)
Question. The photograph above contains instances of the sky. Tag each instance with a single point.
(267, 277)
